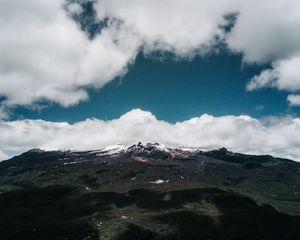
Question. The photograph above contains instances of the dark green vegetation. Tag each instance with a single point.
(148, 193)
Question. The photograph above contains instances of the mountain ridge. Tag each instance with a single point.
(149, 192)
(148, 148)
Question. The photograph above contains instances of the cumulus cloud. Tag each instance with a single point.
(266, 32)
(74, 8)
(294, 99)
(45, 55)
(276, 136)
(284, 75)
(44, 49)
(184, 27)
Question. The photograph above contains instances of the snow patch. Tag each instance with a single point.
(159, 181)
(111, 150)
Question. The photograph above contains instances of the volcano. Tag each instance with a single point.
(149, 191)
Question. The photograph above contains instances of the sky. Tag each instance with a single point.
(83, 74)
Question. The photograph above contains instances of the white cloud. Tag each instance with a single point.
(183, 27)
(284, 75)
(294, 99)
(45, 56)
(266, 31)
(74, 8)
(276, 136)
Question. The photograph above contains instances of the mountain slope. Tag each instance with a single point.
(148, 192)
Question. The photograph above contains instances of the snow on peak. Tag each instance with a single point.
(140, 147)
(158, 146)
(112, 150)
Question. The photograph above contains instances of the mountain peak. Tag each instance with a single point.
(111, 150)
(140, 147)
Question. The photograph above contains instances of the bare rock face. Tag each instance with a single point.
(148, 191)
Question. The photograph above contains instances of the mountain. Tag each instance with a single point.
(148, 192)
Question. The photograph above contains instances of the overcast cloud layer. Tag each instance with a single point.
(276, 136)
(45, 50)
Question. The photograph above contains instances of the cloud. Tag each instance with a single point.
(263, 31)
(276, 136)
(184, 27)
(45, 55)
(74, 8)
(294, 99)
(266, 32)
(284, 75)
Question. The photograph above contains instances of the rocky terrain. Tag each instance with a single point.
(148, 192)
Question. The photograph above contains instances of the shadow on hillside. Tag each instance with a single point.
(64, 212)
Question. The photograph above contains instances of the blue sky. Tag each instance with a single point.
(84, 74)
(175, 90)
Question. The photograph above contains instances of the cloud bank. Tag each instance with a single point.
(276, 136)
(44, 49)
